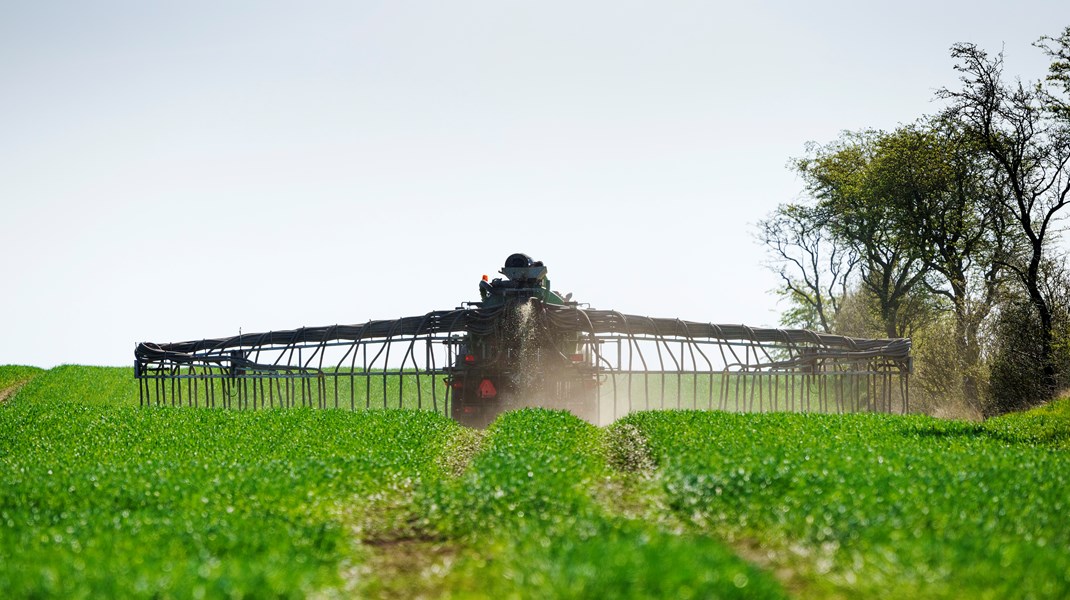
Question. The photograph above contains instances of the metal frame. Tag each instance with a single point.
(642, 363)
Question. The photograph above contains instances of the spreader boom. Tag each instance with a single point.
(629, 362)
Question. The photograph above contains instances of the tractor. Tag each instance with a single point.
(520, 362)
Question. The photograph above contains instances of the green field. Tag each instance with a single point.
(102, 498)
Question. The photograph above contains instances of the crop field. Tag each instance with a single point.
(875, 505)
(102, 498)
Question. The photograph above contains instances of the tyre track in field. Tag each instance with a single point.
(10, 391)
(636, 492)
(402, 553)
(399, 556)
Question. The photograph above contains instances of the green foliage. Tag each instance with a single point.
(99, 498)
(1023, 132)
(1058, 49)
(526, 505)
(877, 505)
(1017, 360)
(1047, 425)
(1017, 380)
(861, 210)
(859, 316)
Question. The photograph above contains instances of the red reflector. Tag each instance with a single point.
(470, 359)
(577, 358)
(468, 409)
(487, 389)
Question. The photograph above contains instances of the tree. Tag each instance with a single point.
(1017, 380)
(839, 177)
(814, 271)
(1058, 49)
(919, 210)
(1025, 133)
(947, 208)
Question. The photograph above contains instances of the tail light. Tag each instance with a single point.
(487, 389)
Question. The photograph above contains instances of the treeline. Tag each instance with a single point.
(945, 230)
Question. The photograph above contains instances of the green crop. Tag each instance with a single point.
(101, 386)
(527, 509)
(1047, 425)
(108, 500)
(102, 498)
(876, 505)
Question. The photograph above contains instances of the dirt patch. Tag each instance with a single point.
(396, 553)
(406, 568)
(11, 390)
(791, 565)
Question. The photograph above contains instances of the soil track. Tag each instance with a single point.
(11, 390)
(402, 560)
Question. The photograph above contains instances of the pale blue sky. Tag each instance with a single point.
(172, 172)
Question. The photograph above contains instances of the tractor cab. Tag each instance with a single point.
(524, 278)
